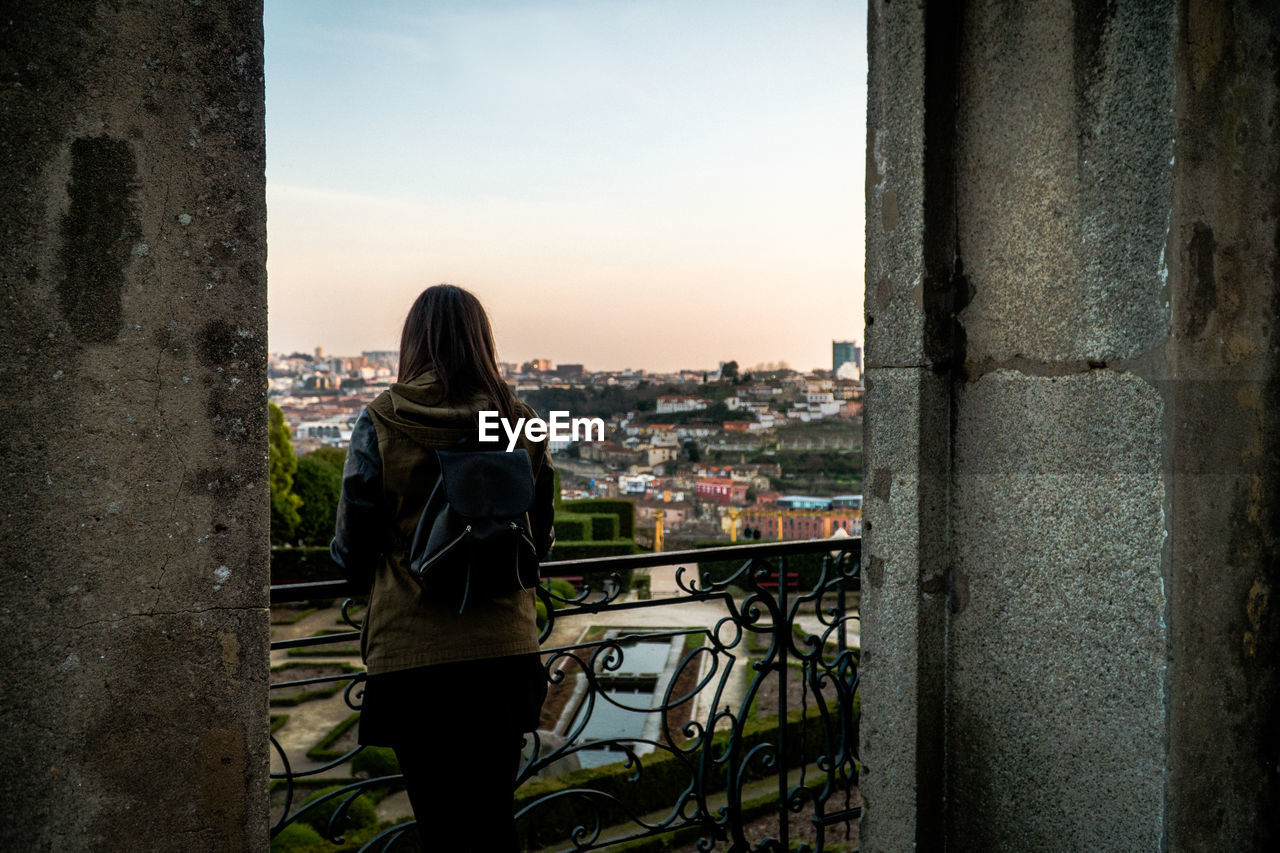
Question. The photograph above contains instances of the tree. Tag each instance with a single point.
(317, 484)
(334, 457)
(281, 468)
(691, 450)
(729, 371)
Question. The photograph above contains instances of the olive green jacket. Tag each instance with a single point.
(391, 467)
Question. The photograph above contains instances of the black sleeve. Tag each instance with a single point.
(542, 516)
(359, 540)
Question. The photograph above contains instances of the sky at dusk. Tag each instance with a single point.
(624, 183)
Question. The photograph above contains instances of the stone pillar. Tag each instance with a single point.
(906, 437)
(135, 534)
(1072, 291)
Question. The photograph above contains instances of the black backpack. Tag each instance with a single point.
(473, 540)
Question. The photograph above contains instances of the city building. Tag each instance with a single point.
(785, 524)
(674, 513)
(721, 490)
(671, 404)
(803, 502)
(845, 352)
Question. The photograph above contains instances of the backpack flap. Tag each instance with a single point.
(487, 484)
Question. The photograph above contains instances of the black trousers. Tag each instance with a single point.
(462, 790)
(456, 730)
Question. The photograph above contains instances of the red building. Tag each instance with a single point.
(721, 490)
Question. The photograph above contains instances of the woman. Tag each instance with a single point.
(451, 693)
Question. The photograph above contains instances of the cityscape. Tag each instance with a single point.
(765, 452)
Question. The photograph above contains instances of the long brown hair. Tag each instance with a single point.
(448, 329)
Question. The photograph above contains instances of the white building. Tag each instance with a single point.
(672, 405)
(635, 484)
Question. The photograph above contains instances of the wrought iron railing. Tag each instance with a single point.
(751, 708)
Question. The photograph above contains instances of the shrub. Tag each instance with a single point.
(297, 836)
(572, 527)
(325, 750)
(305, 693)
(808, 566)
(604, 525)
(562, 588)
(663, 778)
(375, 761)
(623, 509)
(318, 484)
(585, 550)
(283, 614)
(559, 587)
(361, 813)
(686, 836)
(303, 565)
(587, 526)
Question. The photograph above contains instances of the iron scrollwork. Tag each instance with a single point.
(709, 727)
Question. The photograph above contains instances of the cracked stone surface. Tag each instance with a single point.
(134, 469)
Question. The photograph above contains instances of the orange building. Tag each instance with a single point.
(789, 524)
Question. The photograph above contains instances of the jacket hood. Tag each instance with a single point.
(418, 407)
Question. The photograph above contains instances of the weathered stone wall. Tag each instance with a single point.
(1056, 646)
(1088, 282)
(1223, 430)
(135, 500)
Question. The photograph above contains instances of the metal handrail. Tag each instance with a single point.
(291, 592)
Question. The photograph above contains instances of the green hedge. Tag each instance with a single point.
(587, 526)
(563, 588)
(686, 836)
(301, 838)
(625, 511)
(284, 615)
(324, 750)
(323, 690)
(297, 836)
(360, 814)
(585, 550)
(327, 651)
(303, 565)
(663, 778)
(809, 566)
(605, 526)
(374, 762)
(573, 527)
